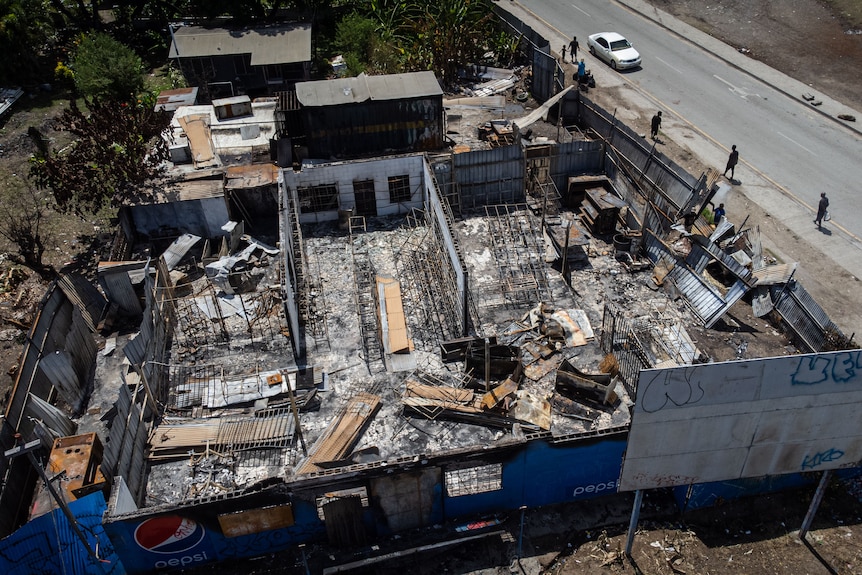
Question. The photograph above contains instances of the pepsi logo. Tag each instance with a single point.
(169, 534)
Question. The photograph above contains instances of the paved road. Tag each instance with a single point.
(713, 97)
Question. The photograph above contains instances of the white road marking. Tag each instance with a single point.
(581, 11)
(738, 91)
(797, 143)
(669, 66)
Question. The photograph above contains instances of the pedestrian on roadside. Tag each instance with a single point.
(564, 53)
(656, 124)
(821, 209)
(582, 71)
(732, 160)
(573, 49)
(718, 214)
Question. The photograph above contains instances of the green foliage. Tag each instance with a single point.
(106, 69)
(416, 35)
(354, 34)
(118, 148)
(359, 40)
(25, 31)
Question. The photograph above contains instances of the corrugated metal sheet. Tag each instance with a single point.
(701, 298)
(701, 255)
(55, 419)
(179, 248)
(270, 45)
(84, 295)
(490, 176)
(117, 284)
(805, 317)
(775, 274)
(362, 88)
(57, 366)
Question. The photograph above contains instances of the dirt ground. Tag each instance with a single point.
(803, 38)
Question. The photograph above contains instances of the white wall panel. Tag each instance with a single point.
(731, 420)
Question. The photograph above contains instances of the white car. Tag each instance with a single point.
(614, 49)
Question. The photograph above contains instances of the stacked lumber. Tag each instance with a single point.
(343, 433)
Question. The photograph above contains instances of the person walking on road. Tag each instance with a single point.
(573, 49)
(732, 160)
(656, 124)
(821, 209)
(564, 53)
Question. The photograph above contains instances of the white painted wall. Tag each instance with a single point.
(732, 420)
(343, 174)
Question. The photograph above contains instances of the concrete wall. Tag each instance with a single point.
(343, 174)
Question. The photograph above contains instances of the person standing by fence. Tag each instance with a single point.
(655, 125)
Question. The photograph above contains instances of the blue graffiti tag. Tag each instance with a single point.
(838, 368)
(819, 459)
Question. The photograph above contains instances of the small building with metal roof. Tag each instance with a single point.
(226, 62)
(371, 115)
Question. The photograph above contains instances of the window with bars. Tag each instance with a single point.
(473, 480)
(318, 198)
(399, 189)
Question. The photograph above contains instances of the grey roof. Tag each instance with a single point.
(363, 88)
(271, 45)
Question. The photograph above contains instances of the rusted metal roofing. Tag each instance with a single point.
(362, 88)
(270, 45)
(170, 100)
(775, 274)
(251, 176)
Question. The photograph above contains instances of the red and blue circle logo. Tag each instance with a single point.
(169, 534)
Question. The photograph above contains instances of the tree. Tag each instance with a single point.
(118, 147)
(453, 31)
(104, 68)
(24, 34)
(23, 212)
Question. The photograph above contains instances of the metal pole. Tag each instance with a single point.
(815, 503)
(633, 523)
(27, 449)
(521, 531)
(304, 562)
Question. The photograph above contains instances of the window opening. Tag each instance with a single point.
(399, 189)
(318, 198)
(473, 480)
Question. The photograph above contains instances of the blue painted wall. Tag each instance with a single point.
(709, 494)
(48, 545)
(192, 537)
(544, 474)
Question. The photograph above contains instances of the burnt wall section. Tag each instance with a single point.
(395, 185)
(62, 334)
(358, 503)
(144, 387)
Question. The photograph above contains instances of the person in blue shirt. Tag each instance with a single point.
(718, 214)
(582, 70)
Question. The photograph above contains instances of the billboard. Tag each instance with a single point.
(733, 420)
